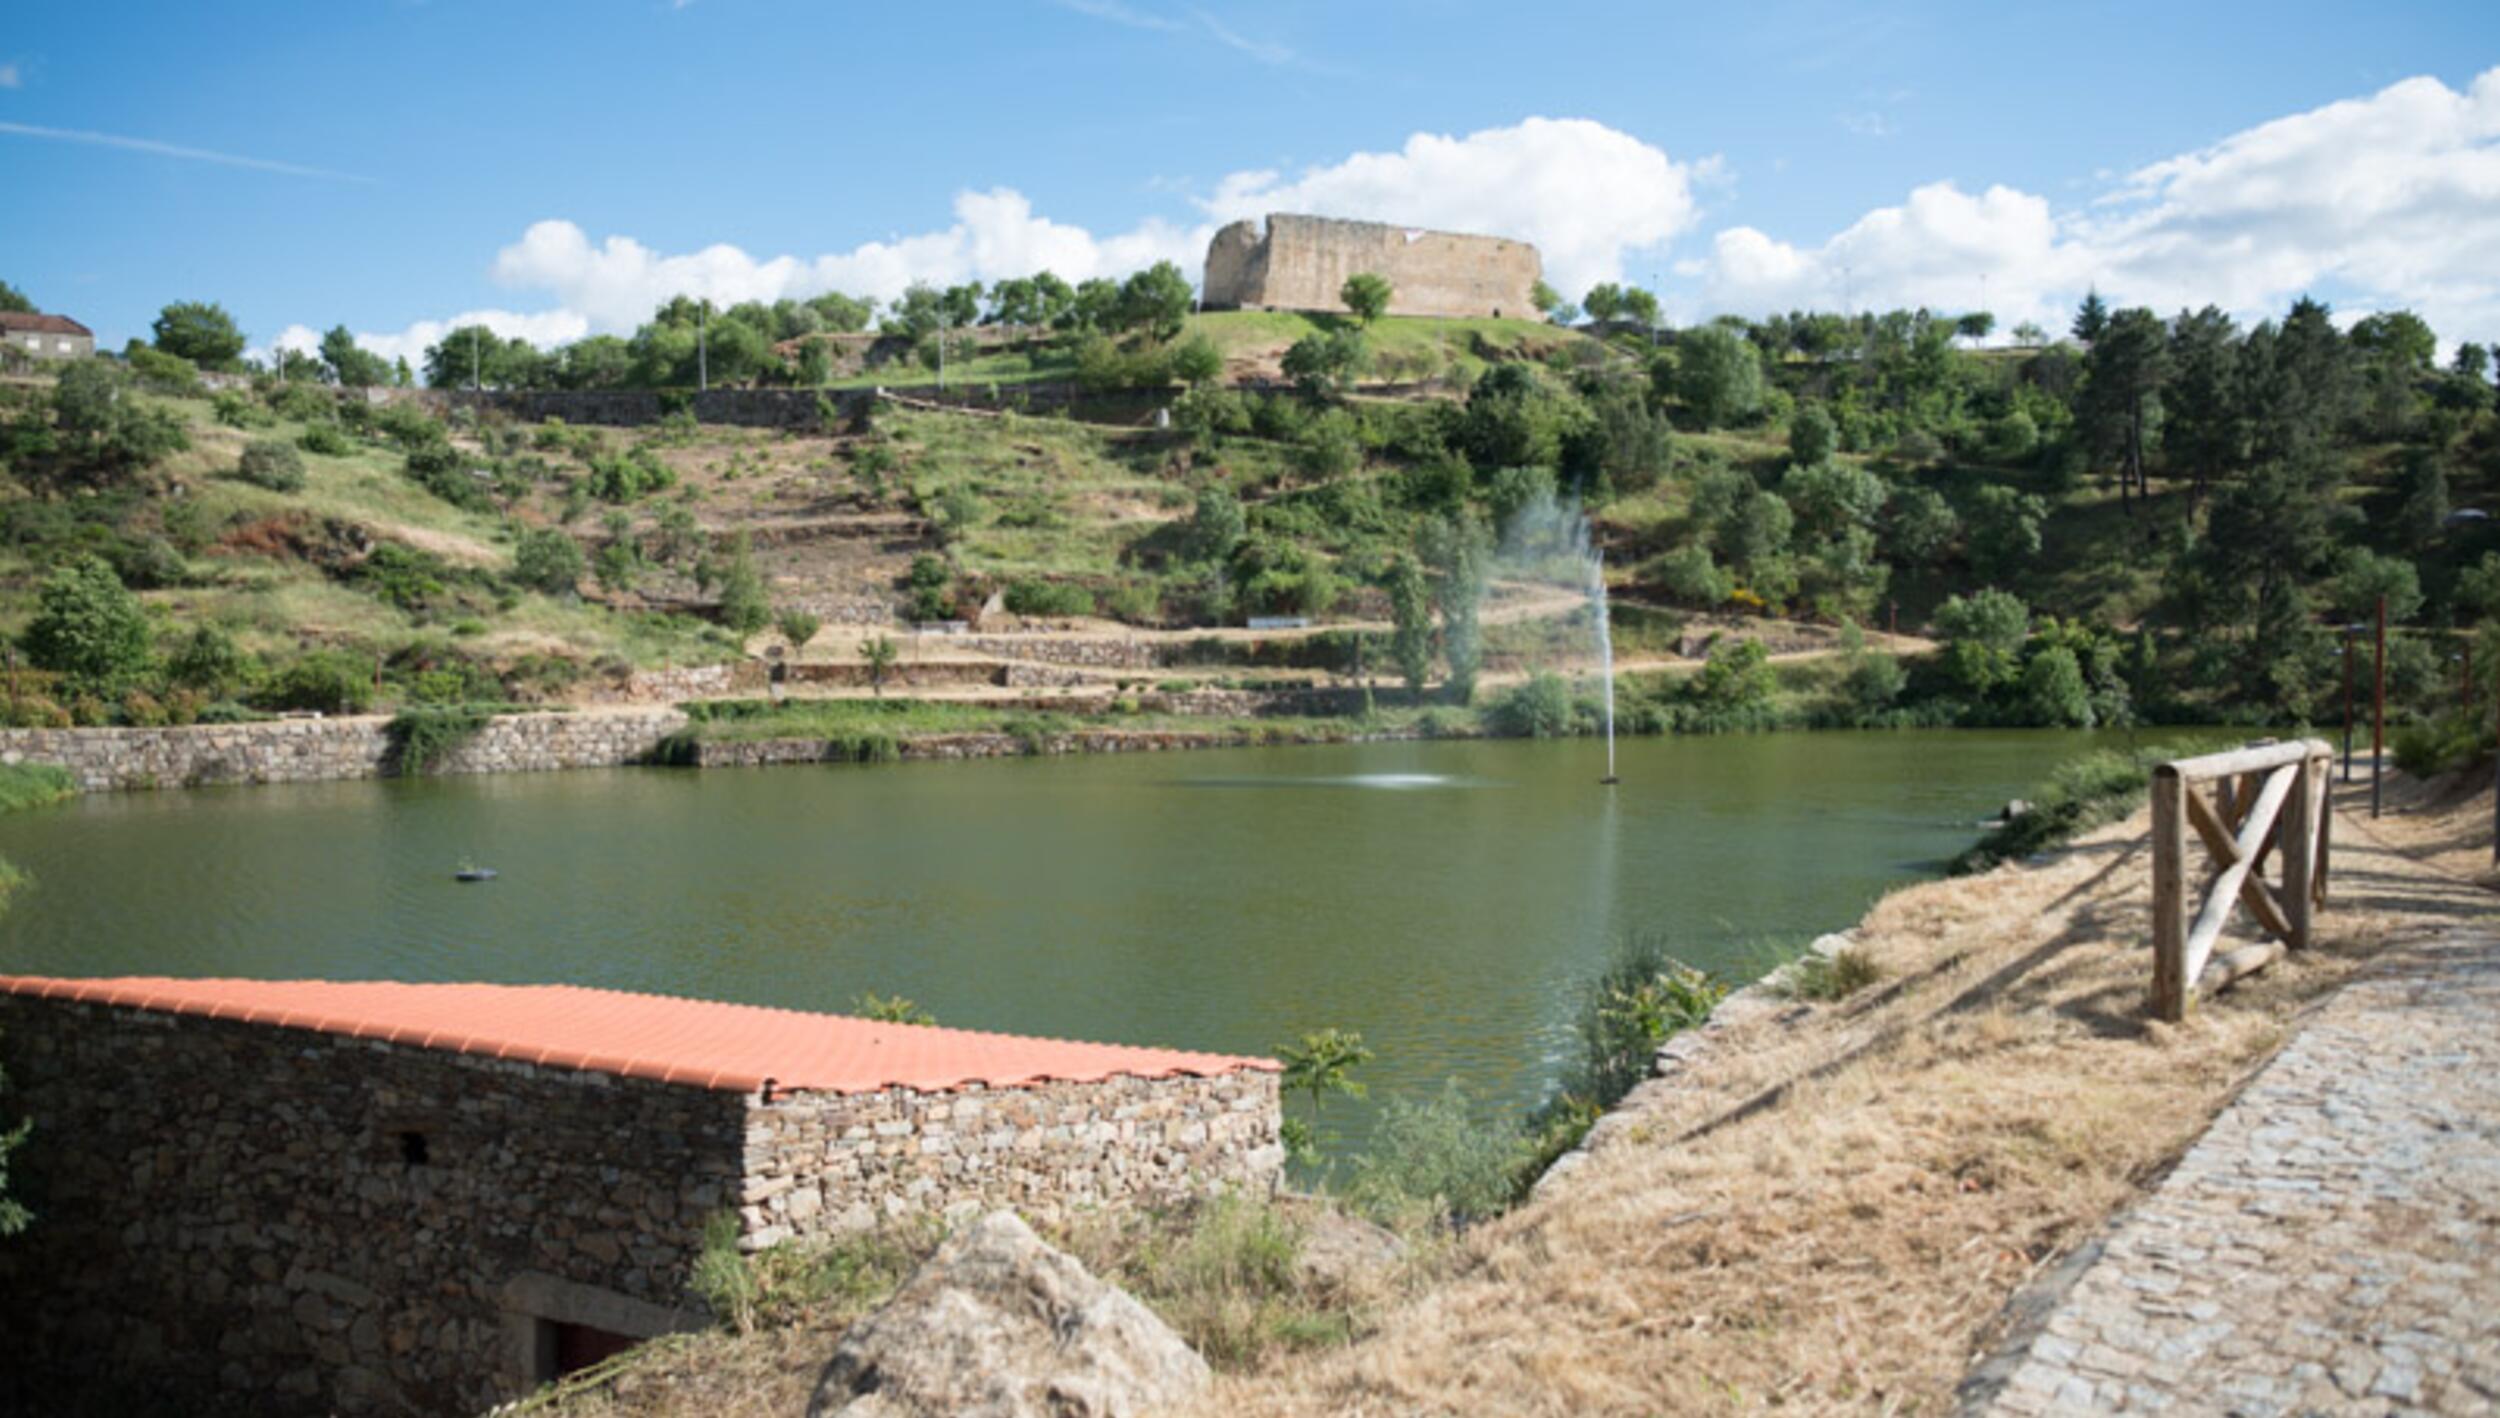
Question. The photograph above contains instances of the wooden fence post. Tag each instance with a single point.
(2172, 989)
(2300, 855)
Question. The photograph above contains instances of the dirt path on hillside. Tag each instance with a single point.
(1828, 1206)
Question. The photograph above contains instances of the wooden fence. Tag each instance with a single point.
(2267, 800)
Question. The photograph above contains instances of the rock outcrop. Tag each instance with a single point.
(998, 1324)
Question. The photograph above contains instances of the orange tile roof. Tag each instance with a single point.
(702, 1043)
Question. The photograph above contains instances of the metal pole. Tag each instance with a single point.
(2378, 712)
(702, 348)
(2348, 672)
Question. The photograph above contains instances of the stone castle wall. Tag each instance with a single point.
(314, 750)
(323, 1224)
(1300, 263)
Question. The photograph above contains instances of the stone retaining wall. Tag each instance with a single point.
(827, 1163)
(322, 1224)
(311, 750)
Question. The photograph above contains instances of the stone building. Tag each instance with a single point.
(45, 336)
(374, 1197)
(1300, 263)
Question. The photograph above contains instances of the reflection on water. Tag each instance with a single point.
(1443, 898)
(1393, 781)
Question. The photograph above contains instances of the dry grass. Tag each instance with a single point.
(1830, 1210)
(1826, 1212)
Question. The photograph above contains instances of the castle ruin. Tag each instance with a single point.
(1300, 263)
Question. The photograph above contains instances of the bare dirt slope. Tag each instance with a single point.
(1830, 1209)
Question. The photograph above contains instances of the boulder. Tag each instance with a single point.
(999, 1325)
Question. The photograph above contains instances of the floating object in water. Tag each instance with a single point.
(474, 874)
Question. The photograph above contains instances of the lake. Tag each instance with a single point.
(1444, 898)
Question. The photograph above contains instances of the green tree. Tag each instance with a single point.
(1326, 365)
(2398, 338)
(2362, 576)
(201, 332)
(1922, 527)
(100, 437)
(743, 605)
(88, 628)
(797, 627)
(1604, 302)
(1690, 576)
(14, 300)
(1319, 1066)
(1410, 613)
(1975, 326)
(2124, 375)
(1456, 548)
(2092, 317)
(2004, 530)
(1983, 635)
(842, 313)
(1155, 300)
(548, 561)
(1197, 361)
(1831, 497)
(2054, 694)
(1216, 526)
(1716, 374)
(1367, 294)
(878, 653)
(1549, 300)
(2205, 432)
(351, 365)
(1812, 437)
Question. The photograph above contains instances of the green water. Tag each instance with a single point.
(1443, 898)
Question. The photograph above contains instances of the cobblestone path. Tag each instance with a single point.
(2332, 1244)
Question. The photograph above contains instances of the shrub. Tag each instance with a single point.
(327, 439)
(547, 561)
(2054, 694)
(1049, 598)
(1631, 1008)
(421, 737)
(443, 471)
(1433, 1162)
(271, 464)
(1690, 576)
(2079, 795)
(2442, 745)
(1540, 708)
(330, 681)
(798, 627)
(207, 660)
(890, 1009)
(236, 409)
(88, 628)
(1816, 976)
(31, 785)
(743, 606)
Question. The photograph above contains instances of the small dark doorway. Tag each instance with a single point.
(569, 1348)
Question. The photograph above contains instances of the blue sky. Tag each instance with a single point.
(1742, 156)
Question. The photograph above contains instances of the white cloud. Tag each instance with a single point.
(543, 328)
(10, 78)
(1586, 194)
(2393, 198)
